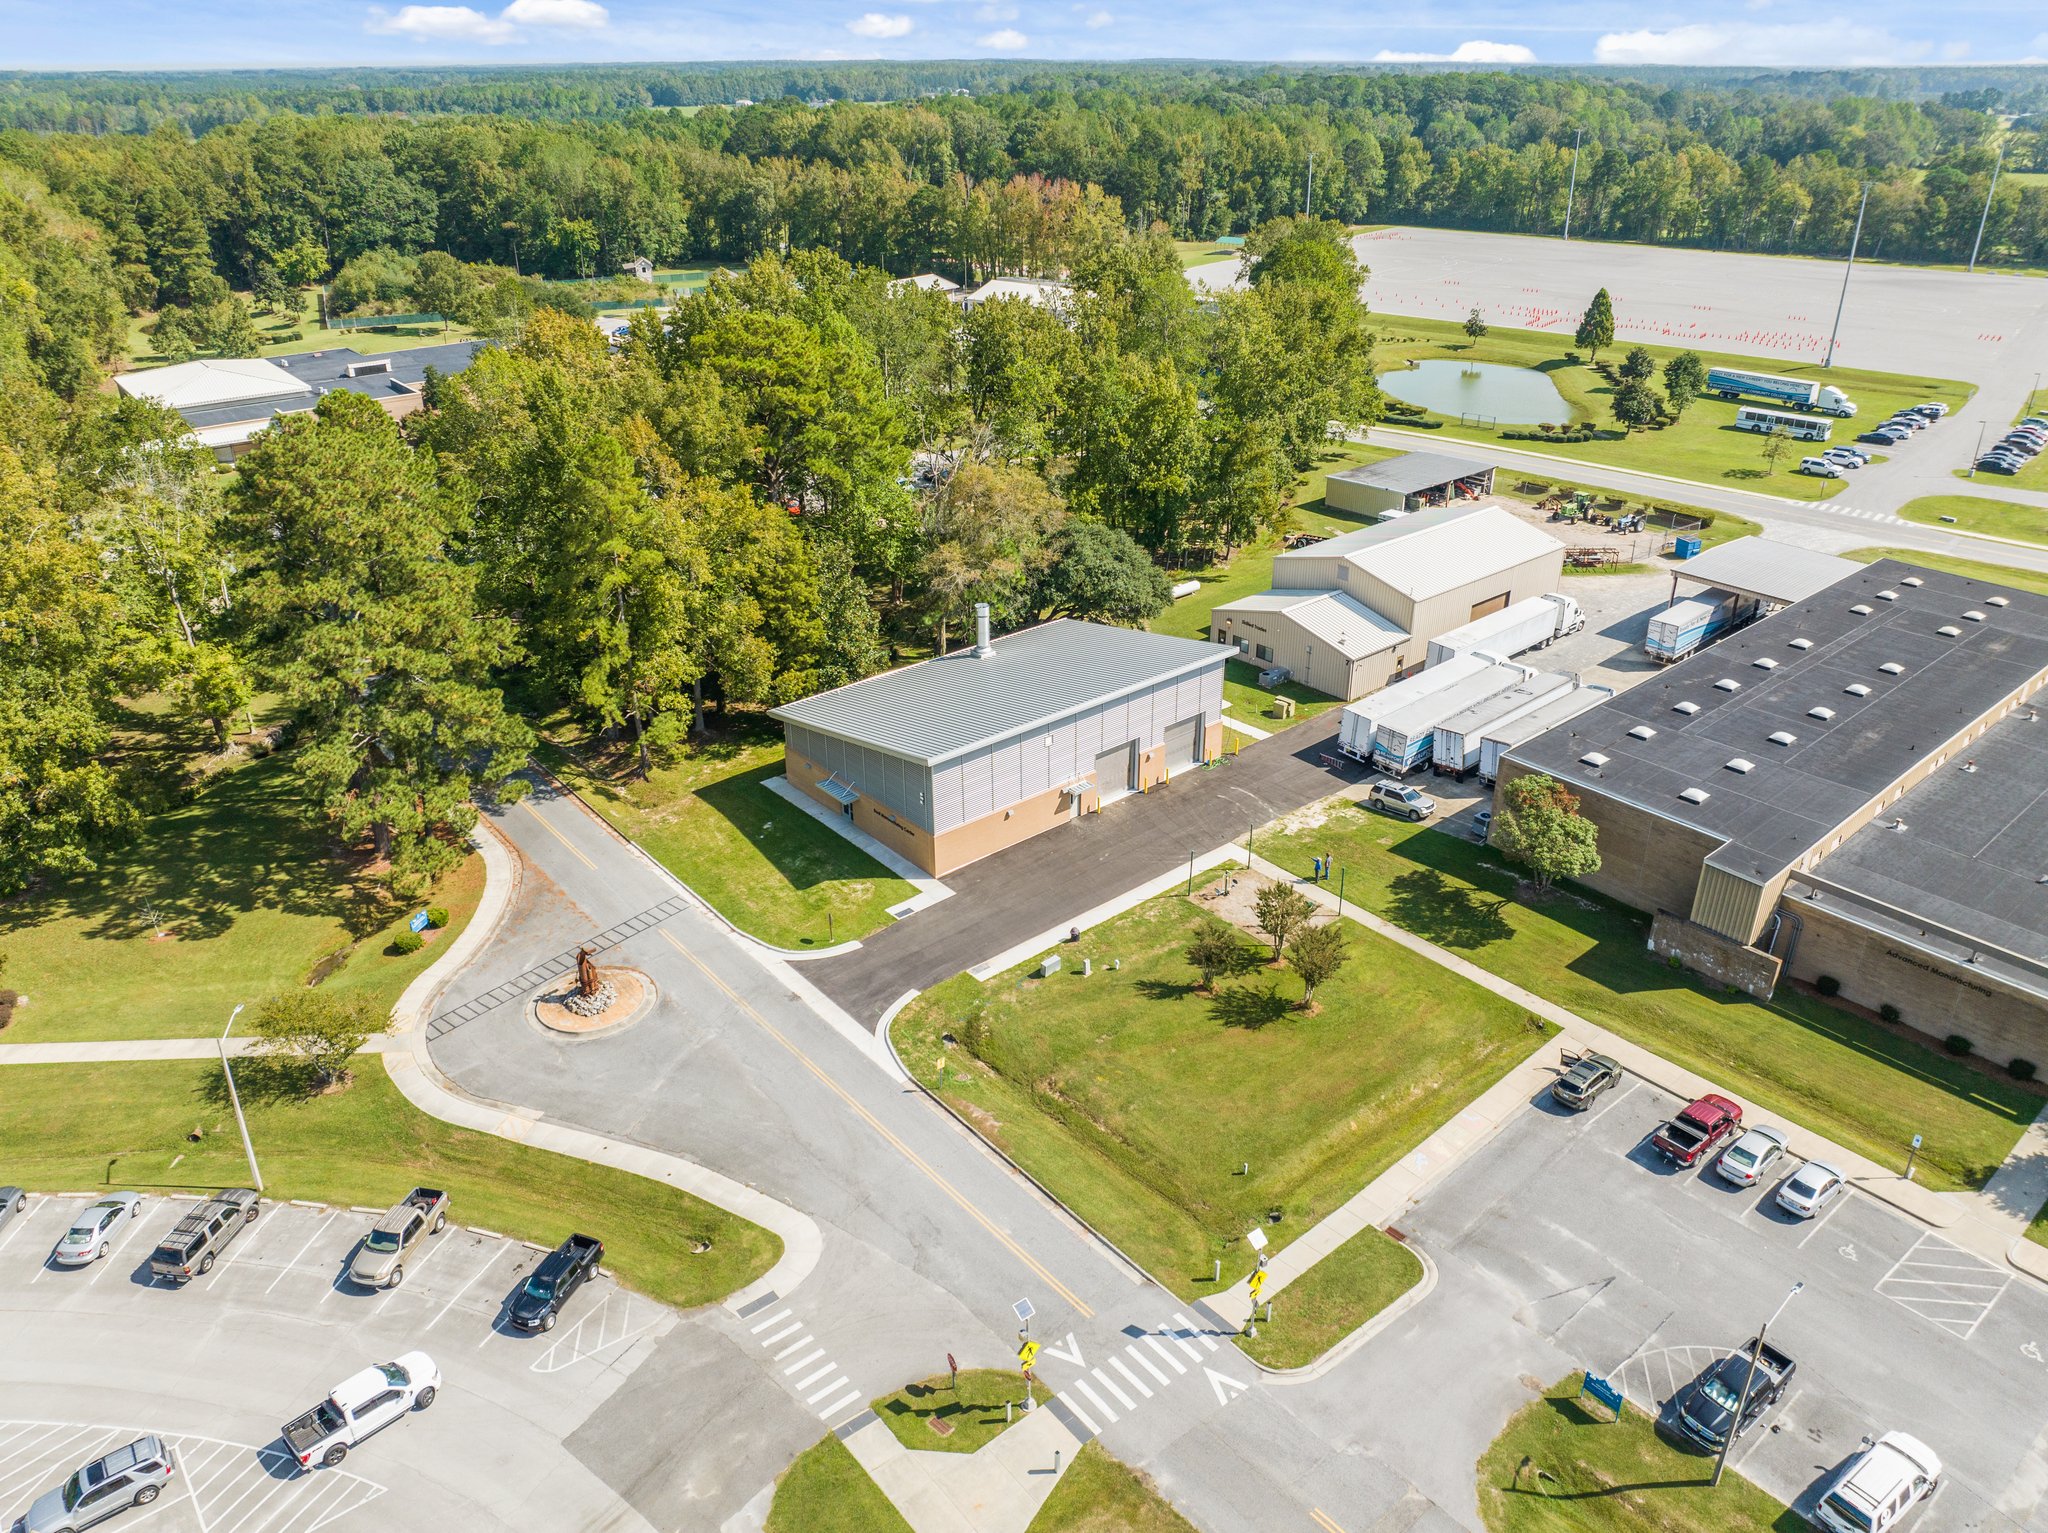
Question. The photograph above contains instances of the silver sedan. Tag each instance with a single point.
(12, 1201)
(91, 1234)
(1746, 1162)
(1809, 1190)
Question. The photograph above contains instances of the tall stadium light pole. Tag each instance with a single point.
(1854, 240)
(1748, 1379)
(1309, 196)
(235, 1096)
(1985, 217)
(1571, 195)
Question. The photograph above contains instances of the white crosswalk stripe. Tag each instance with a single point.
(1101, 1406)
(1137, 1383)
(1110, 1384)
(1157, 1346)
(1149, 1366)
(806, 1369)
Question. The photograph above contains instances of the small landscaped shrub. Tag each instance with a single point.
(1827, 984)
(407, 942)
(437, 915)
(2021, 1069)
(1889, 1012)
(1571, 359)
(1957, 1044)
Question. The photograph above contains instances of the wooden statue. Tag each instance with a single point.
(586, 972)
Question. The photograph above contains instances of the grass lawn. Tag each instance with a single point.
(1973, 513)
(1588, 1474)
(1850, 1080)
(1721, 525)
(87, 1127)
(1202, 252)
(1704, 445)
(710, 819)
(1255, 706)
(250, 896)
(972, 1412)
(826, 1491)
(1099, 1494)
(275, 328)
(1137, 1099)
(1332, 1299)
(1973, 569)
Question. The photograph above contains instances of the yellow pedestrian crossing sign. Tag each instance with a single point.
(1028, 1353)
(1258, 1281)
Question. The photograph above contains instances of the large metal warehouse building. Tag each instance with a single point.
(955, 758)
(1348, 615)
(1855, 787)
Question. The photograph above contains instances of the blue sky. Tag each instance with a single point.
(134, 34)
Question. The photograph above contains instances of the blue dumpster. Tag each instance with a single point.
(1688, 547)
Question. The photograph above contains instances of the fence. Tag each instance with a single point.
(383, 321)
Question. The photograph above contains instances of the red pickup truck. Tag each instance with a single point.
(1700, 1128)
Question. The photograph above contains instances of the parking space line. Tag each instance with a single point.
(34, 1203)
(1634, 1085)
(389, 1294)
(292, 1265)
(53, 1445)
(1833, 1208)
(125, 1239)
(465, 1288)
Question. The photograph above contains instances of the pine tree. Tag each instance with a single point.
(1596, 328)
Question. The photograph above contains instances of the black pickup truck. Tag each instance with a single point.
(1707, 1405)
(560, 1273)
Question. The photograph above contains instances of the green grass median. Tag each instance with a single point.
(1332, 1299)
(130, 1125)
(953, 1414)
(1823, 1067)
(1972, 569)
(1975, 513)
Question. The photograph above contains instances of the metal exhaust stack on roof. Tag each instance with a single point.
(982, 648)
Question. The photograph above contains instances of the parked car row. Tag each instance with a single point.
(1902, 427)
(2019, 446)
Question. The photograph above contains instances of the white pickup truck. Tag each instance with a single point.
(360, 1404)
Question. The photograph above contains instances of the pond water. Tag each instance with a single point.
(1517, 396)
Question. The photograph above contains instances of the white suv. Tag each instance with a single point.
(1883, 1483)
(1399, 798)
(1820, 468)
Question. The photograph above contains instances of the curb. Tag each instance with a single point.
(1411, 1296)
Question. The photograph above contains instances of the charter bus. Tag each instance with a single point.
(1808, 428)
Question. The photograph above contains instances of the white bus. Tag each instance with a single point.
(1807, 428)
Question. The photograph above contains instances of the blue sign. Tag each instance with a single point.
(1603, 1390)
(419, 922)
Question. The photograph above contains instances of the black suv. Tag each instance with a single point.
(1589, 1075)
(202, 1235)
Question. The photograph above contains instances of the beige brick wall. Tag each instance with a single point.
(1646, 862)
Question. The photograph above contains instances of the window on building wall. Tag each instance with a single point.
(1344, 572)
(1243, 645)
(1263, 651)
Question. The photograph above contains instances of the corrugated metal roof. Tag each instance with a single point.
(1341, 621)
(1776, 572)
(1412, 471)
(1432, 551)
(214, 381)
(942, 708)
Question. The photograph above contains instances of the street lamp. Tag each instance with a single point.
(1572, 195)
(235, 1096)
(1841, 303)
(1749, 1378)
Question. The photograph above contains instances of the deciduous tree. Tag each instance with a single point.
(1539, 826)
(318, 1029)
(1685, 379)
(1596, 326)
(1316, 953)
(1281, 910)
(1213, 949)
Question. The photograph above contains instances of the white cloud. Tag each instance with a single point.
(1008, 40)
(584, 14)
(1840, 45)
(1098, 20)
(875, 24)
(992, 11)
(1477, 51)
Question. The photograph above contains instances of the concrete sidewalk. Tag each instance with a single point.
(999, 1488)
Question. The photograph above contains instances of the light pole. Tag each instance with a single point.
(1842, 302)
(235, 1096)
(1749, 1378)
(1985, 217)
(1572, 195)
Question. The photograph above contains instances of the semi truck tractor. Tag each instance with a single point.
(1800, 393)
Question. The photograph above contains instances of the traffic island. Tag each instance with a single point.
(1331, 1301)
(956, 1413)
(621, 997)
(1567, 1465)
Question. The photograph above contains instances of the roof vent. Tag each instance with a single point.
(1998, 601)
(1896, 825)
(1887, 595)
(1820, 713)
(1694, 795)
(1741, 764)
(1863, 609)
(1802, 644)
(1687, 707)
(1912, 580)
(1973, 616)
(1784, 737)
(1857, 689)
(982, 648)
(1642, 732)
(1727, 684)
(1764, 663)
(1892, 668)
(1594, 759)
(1949, 631)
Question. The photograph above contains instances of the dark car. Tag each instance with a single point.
(1880, 437)
(2000, 465)
(1707, 1405)
(1589, 1075)
(560, 1273)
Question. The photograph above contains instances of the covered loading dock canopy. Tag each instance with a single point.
(1776, 574)
(1408, 482)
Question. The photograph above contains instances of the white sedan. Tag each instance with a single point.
(1809, 1190)
(1747, 1160)
(92, 1230)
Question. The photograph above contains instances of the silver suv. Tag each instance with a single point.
(1399, 798)
(190, 1248)
(130, 1476)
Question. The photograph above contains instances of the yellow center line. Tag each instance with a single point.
(574, 850)
(1323, 1522)
(879, 1127)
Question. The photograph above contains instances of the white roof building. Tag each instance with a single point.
(1042, 291)
(928, 282)
(216, 381)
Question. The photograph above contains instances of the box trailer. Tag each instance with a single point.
(1684, 626)
(1454, 749)
(1503, 738)
(1802, 393)
(1402, 738)
(1526, 625)
(1354, 731)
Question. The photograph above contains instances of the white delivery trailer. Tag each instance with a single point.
(1454, 748)
(1803, 393)
(1503, 738)
(1354, 731)
(1401, 739)
(1684, 626)
(1506, 633)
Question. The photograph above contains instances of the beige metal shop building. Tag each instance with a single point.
(1350, 614)
(955, 758)
(1855, 787)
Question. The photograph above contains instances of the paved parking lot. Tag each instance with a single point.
(1629, 1267)
(100, 1354)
